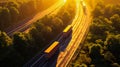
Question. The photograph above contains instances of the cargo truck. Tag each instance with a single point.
(51, 49)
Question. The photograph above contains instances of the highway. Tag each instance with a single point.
(80, 25)
(80, 28)
(39, 58)
(24, 25)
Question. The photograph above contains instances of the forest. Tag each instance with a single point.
(102, 45)
(14, 11)
(17, 50)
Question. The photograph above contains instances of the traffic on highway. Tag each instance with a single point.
(41, 34)
(59, 33)
(60, 52)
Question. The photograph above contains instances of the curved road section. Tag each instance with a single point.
(80, 28)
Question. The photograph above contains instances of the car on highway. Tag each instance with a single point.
(83, 6)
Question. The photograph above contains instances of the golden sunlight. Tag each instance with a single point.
(64, 0)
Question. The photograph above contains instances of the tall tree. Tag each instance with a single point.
(116, 22)
(5, 40)
(21, 42)
(5, 17)
(113, 44)
(38, 38)
(95, 53)
(14, 14)
(57, 24)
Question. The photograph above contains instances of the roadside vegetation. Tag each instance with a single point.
(21, 47)
(13, 11)
(102, 45)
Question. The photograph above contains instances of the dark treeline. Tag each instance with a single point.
(19, 49)
(102, 46)
(11, 12)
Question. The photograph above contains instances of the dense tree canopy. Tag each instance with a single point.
(14, 11)
(113, 44)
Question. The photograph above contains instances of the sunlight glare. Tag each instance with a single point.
(64, 0)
